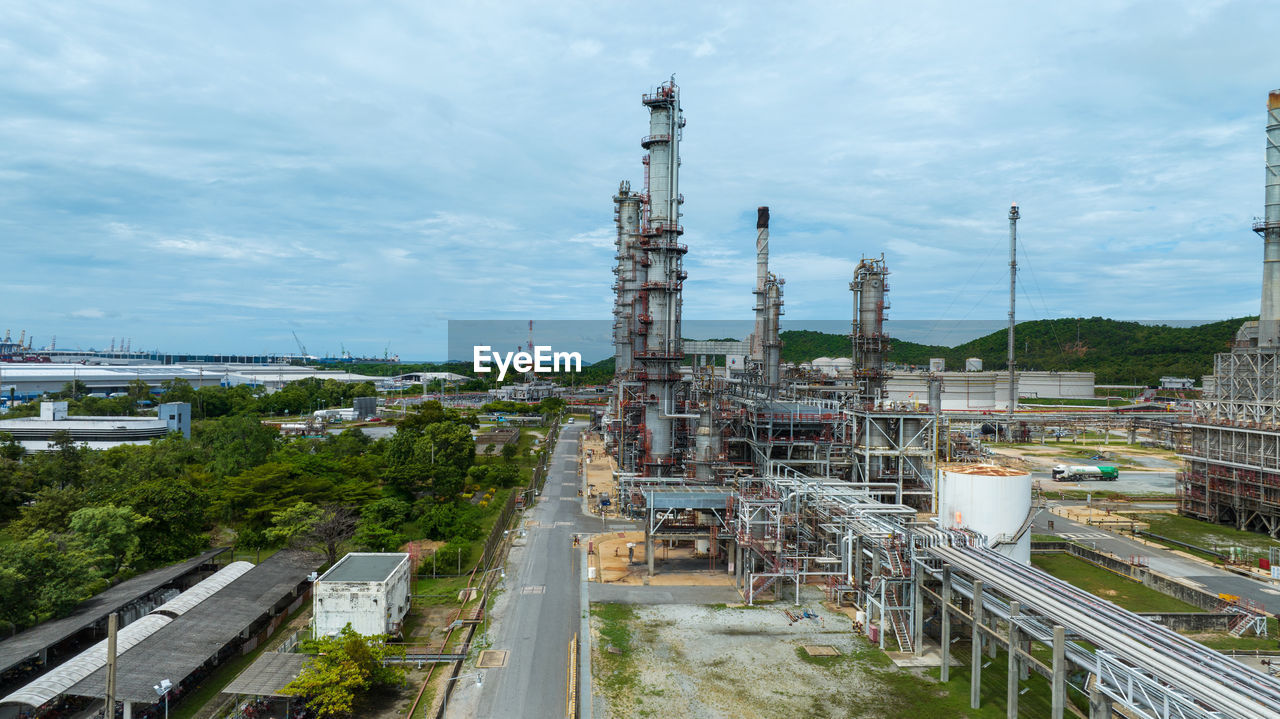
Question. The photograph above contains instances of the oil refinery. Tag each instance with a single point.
(825, 476)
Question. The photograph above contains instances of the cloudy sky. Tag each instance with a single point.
(207, 176)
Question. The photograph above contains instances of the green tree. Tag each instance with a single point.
(109, 533)
(235, 444)
(139, 391)
(69, 459)
(75, 389)
(253, 540)
(10, 448)
(178, 390)
(177, 513)
(54, 575)
(343, 670)
(50, 509)
(306, 526)
(379, 526)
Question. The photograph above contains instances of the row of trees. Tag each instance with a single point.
(108, 514)
(1116, 352)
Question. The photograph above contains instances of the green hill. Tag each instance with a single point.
(1116, 352)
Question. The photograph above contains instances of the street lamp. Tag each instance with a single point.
(479, 682)
(162, 690)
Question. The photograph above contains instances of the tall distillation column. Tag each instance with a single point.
(772, 342)
(658, 362)
(762, 276)
(1269, 228)
(869, 343)
(627, 217)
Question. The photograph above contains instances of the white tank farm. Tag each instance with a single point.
(1037, 384)
(988, 499)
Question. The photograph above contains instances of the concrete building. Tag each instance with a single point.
(535, 391)
(35, 433)
(22, 382)
(369, 591)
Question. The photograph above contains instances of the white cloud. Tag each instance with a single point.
(323, 166)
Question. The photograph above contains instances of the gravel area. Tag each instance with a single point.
(705, 662)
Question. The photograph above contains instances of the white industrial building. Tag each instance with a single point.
(26, 381)
(35, 433)
(369, 591)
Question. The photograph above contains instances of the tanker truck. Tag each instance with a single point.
(1069, 472)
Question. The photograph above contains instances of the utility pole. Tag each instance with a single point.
(113, 624)
(1013, 283)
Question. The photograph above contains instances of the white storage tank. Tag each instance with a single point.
(973, 390)
(973, 364)
(988, 499)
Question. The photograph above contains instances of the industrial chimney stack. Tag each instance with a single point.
(762, 276)
(1269, 228)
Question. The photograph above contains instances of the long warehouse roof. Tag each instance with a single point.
(180, 647)
(64, 676)
(31, 642)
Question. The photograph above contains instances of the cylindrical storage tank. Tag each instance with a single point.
(876, 432)
(973, 364)
(973, 390)
(912, 436)
(991, 500)
(938, 364)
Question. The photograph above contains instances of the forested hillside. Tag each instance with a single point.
(1117, 352)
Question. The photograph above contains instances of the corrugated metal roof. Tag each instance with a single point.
(183, 603)
(64, 676)
(268, 674)
(53, 684)
(686, 499)
(15, 650)
(197, 636)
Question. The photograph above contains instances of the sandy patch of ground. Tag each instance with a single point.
(673, 566)
(1104, 518)
(600, 468)
(699, 662)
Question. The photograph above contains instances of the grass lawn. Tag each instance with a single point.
(616, 672)
(1108, 585)
(1226, 642)
(908, 696)
(1215, 537)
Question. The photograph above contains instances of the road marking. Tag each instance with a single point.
(1268, 591)
(571, 499)
(564, 524)
(534, 589)
(1084, 535)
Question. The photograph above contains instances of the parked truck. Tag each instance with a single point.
(1069, 472)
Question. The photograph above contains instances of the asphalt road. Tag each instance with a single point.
(537, 615)
(1208, 578)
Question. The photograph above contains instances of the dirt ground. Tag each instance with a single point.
(1099, 518)
(600, 468)
(1128, 458)
(707, 662)
(673, 566)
